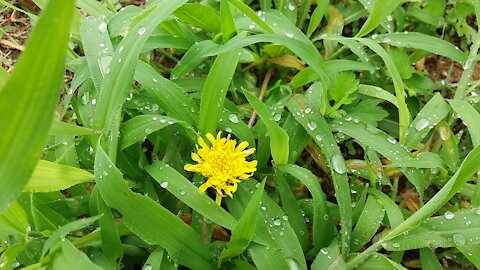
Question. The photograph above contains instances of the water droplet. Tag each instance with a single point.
(312, 125)
(163, 121)
(182, 192)
(90, 150)
(374, 36)
(338, 164)
(263, 208)
(277, 117)
(147, 267)
(289, 34)
(285, 217)
(154, 118)
(251, 26)
(449, 215)
(164, 184)
(102, 27)
(142, 30)
(233, 118)
(101, 45)
(324, 251)
(169, 122)
(154, 80)
(389, 18)
(94, 101)
(348, 118)
(391, 140)
(477, 212)
(459, 239)
(291, 6)
(396, 245)
(422, 124)
(277, 222)
(319, 137)
(120, 48)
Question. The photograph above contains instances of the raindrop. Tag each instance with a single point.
(154, 118)
(285, 217)
(391, 140)
(396, 245)
(228, 129)
(142, 30)
(251, 26)
(120, 48)
(233, 118)
(102, 27)
(263, 208)
(147, 267)
(154, 80)
(182, 192)
(289, 35)
(459, 239)
(312, 125)
(291, 6)
(338, 164)
(386, 40)
(164, 184)
(389, 18)
(422, 124)
(101, 45)
(94, 101)
(277, 117)
(90, 150)
(374, 36)
(319, 137)
(277, 222)
(348, 118)
(169, 122)
(324, 251)
(477, 212)
(449, 215)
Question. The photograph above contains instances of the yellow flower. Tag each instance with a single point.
(223, 164)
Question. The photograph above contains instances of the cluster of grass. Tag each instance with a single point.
(364, 162)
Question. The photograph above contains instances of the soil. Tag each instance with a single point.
(438, 68)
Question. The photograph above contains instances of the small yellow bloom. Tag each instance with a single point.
(223, 164)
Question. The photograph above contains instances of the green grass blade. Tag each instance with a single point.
(317, 15)
(429, 260)
(169, 96)
(189, 194)
(244, 231)
(423, 42)
(323, 229)
(278, 136)
(115, 86)
(137, 128)
(470, 117)
(215, 90)
(149, 220)
(199, 15)
(378, 14)
(368, 223)
(227, 21)
(251, 14)
(62, 128)
(449, 230)
(71, 258)
(49, 176)
(471, 252)
(431, 114)
(319, 130)
(29, 97)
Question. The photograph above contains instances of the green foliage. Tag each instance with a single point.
(362, 154)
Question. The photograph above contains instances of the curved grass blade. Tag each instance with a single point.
(329, 258)
(378, 14)
(169, 96)
(431, 114)
(319, 130)
(135, 129)
(25, 132)
(215, 90)
(149, 220)
(423, 42)
(189, 194)
(49, 176)
(368, 223)
(278, 136)
(115, 86)
(470, 117)
(244, 231)
(377, 92)
(323, 228)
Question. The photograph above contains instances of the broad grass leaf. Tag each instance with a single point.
(69, 257)
(24, 134)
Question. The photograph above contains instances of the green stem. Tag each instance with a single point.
(356, 261)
